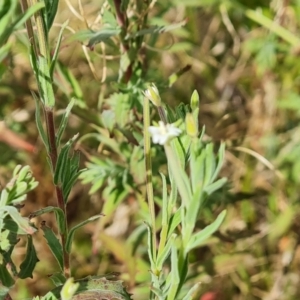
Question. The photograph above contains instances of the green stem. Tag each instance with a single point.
(148, 165)
(49, 117)
(273, 27)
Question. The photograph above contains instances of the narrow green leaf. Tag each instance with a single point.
(72, 231)
(197, 159)
(201, 236)
(214, 186)
(64, 121)
(150, 246)
(68, 186)
(59, 214)
(31, 259)
(6, 30)
(50, 12)
(7, 10)
(165, 216)
(54, 244)
(76, 91)
(103, 36)
(161, 257)
(193, 292)
(156, 29)
(45, 83)
(175, 277)
(95, 37)
(56, 51)
(210, 164)
(174, 221)
(63, 162)
(221, 155)
(4, 51)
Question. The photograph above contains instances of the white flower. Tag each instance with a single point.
(163, 133)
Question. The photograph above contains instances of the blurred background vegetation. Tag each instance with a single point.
(243, 59)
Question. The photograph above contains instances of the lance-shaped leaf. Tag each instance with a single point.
(94, 38)
(156, 29)
(56, 51)
(174, 276)
(59, 214)
(31, 259)
(63, 122)
(174, 221)
(38, 122)
(7, 9)
(6, 281)
(193, 292)
(50, 12)
(200, 237)
(150, 247)
(164, 254)
(63, 163)
(45, 82)
(214, 186)
(4, 51)
(54, 244)
(72, 231)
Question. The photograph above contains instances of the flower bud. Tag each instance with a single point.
(191, 126)
(69, 289)
(153, 95)
(195, 100)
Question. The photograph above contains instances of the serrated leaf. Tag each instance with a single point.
(31, 259)
(54, 244)
(96, 288)
(72, 231)
(200, 237)
(6, 280)
(22, 222)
